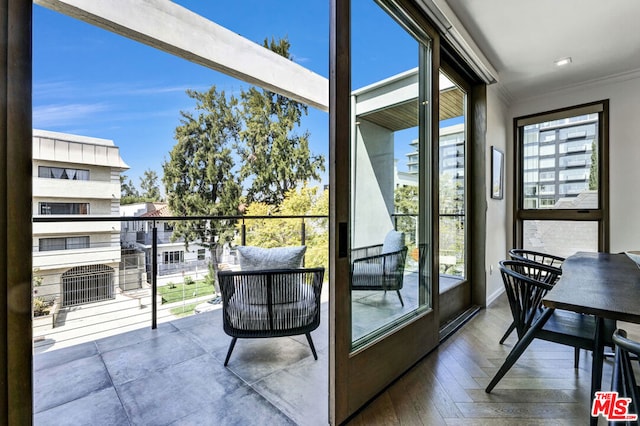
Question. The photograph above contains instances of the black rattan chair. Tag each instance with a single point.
(525, 294)
(372, 269)
(623, 380)
(271, 303)
(541, 258)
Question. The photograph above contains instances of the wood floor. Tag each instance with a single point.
(447, 387)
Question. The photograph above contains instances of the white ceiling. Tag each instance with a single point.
(523, 38)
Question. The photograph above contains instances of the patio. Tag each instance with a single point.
(175, 375)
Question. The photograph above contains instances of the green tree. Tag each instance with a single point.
(275, 232)
(199, 176)
(149, 186)
(128, 192)
(451, 227)
(406, 205)
(274, 157)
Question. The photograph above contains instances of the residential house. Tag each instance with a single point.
(175, 258)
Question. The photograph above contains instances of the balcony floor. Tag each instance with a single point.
(175, 375)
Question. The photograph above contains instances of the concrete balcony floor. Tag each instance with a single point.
(174, 375)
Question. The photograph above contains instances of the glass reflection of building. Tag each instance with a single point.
(557, 160)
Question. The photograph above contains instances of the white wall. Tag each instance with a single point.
(498, 211)
(373, 184)
(623, 93)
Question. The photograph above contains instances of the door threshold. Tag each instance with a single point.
(453, 325)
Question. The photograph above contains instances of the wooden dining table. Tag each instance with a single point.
(604, 285)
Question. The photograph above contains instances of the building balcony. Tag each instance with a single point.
(95, 333)
(61, 259)
(75, 189)
(175, 375)
(70, 228)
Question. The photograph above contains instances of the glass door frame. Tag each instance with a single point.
(465, 291)
(357, 376)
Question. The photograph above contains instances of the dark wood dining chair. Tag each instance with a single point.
(544, 259)
(536, 257)
(525, 293)
(623, 379)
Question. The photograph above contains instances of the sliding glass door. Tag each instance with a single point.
(382, 146)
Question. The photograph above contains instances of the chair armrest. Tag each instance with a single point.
(378, 258)
(389, 262)
(367, 251)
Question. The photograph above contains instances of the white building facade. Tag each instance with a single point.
(175, 260)
(75, 262)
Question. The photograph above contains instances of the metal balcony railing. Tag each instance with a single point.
(126, 279)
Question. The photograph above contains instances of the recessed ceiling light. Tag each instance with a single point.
(563, 61)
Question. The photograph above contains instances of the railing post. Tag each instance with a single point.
(154, 277)
(243, 233)
(303, 237)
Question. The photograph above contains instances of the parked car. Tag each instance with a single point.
(209, 305)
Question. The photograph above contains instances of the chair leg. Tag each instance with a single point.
(518, 349)
(576, 357)
(313, 348)
(508, 332)
(231, 346)
(400, 297)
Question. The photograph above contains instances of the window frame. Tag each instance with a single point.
(82, 208)
(84, 173)
(599, 214)
(86, 243)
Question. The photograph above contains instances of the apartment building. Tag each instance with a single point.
(75, 262)
(558, 157)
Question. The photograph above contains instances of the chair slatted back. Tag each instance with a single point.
(536, 257)
(526, 284)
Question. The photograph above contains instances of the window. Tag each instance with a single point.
(62, 173)
(568, 211)
(64, 208)
(168, 227)
(201, 253)
(63, 243)
(173, 257)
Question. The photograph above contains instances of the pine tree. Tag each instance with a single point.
(149, 186)
(128, 192)
(199, 176)
(275, 159)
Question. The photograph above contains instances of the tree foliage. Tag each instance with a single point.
(275, 159)
(199, 176)
(274, 232)
(128, 192)
(150, 187)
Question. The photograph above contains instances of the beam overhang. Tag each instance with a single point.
(172, 28)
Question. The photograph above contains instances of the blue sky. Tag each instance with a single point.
(91, 82)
